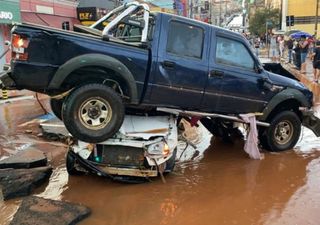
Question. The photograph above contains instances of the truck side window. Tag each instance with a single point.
(185, 40)
(233, 53)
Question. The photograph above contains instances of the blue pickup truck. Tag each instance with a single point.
(145, 60)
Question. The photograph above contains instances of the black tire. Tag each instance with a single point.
(93, 113)
(221, 129)
(56, 107)
(71, 165)
(283, 133)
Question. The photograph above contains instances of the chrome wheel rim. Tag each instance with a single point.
(283, 132)
(95, 113)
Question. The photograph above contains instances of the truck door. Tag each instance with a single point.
(182, 65)
(233, 83)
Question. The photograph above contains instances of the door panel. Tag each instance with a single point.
(233, 85)
(182, 65)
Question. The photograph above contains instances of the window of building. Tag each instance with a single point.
(233, 53)
(185, 40)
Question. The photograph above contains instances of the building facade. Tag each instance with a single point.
(304, 13)
(49, 12)
(9, 14)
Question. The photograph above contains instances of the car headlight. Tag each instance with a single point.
(159, 148)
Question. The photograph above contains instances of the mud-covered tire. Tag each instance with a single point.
(283, 133)
(93, 113)
(221, 129)
(56, 107)
(71, 165)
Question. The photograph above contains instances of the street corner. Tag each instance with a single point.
(29, 158)
(20, 182)
(38, 211)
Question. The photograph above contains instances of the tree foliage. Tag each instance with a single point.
(257, 22)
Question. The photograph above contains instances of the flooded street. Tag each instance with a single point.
(222, 186)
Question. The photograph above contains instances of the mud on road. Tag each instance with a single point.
(220, 186)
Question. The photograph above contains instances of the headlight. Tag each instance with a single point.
(159, 148)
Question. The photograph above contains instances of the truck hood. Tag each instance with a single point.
(286, 82)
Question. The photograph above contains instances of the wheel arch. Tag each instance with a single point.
(106, 67)
(288, 99)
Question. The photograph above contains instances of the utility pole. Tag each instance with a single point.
(316, 23)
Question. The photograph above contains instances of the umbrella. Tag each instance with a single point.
(300, 34)
(288, 33)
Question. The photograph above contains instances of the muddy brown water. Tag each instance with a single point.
(222, 187)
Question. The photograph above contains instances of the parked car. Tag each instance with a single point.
(144, 147)
(144, 61)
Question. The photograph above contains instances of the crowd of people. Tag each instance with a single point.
(296, 51)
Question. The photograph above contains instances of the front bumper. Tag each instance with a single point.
(110, 171)
(310, 121)
(6, 82)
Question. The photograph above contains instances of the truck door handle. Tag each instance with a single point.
(168, 64)
(216, 73)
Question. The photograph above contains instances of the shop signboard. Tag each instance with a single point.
(9, 11)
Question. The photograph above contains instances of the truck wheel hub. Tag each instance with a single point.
(95, 113)
(283, 132)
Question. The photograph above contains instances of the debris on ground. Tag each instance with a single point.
(20, 182)
(38, 211)
(29, 158)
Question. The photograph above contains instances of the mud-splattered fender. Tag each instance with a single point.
(286, 94)
(95, 60)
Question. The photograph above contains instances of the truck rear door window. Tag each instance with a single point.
(233, 53)
(185, 40)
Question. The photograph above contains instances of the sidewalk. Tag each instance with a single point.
(306, 79)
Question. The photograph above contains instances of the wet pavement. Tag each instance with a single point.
(219, 186)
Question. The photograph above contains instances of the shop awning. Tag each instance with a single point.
(10, 11)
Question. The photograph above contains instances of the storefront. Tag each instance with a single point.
(49, 13)
(89, 15)
(9, 14)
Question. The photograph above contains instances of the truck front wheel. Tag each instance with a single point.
(283, 133)
(93, 113)
(56, 107)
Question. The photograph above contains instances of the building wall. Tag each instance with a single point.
(304, 13)
(104, 4)
(55, 7)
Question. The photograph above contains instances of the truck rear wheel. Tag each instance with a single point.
(56, 107)
(283, 133)
(93, 113)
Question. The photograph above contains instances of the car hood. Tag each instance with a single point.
(286, 82)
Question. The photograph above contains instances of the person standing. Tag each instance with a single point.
(304, 46)
(257, 45)
(290, 47)
(316, 61)
(274, 48)
(281, 46)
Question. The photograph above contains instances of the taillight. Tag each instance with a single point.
(19, 45)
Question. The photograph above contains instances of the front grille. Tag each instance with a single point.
(121, 156)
